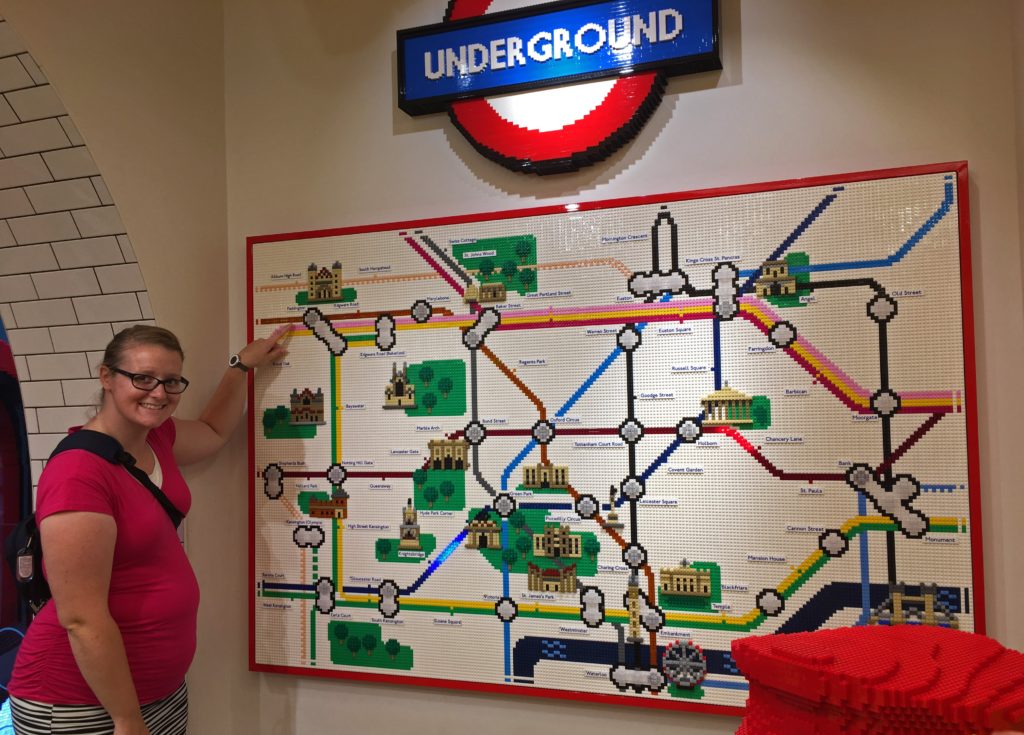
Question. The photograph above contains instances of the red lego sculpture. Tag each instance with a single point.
(880, 679)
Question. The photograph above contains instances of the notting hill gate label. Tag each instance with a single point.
(456, 65)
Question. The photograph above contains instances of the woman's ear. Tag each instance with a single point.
(106, 377)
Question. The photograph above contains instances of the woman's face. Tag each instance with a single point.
(146, 409)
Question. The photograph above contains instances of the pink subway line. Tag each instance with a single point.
(767, 310)
(435, 265)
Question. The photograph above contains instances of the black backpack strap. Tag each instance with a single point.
(110, 449)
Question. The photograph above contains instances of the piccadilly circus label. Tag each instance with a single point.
(553, 87)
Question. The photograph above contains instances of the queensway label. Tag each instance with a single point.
(551, 44)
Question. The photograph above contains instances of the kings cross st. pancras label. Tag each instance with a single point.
(495, 73)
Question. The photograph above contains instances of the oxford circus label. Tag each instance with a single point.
(609, 60)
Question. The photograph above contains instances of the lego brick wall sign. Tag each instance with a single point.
(577, 451)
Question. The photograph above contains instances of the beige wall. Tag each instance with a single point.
(313, 139)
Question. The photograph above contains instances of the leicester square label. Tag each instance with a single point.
(456, 65)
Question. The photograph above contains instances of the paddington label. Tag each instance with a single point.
(479, 253)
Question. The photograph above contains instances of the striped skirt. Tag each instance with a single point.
(167, 716)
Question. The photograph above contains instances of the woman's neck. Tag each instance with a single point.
(131, 437)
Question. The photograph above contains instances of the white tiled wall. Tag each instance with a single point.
(68, 273)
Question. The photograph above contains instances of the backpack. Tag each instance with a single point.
(23, 549)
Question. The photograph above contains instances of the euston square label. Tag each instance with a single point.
(553, 44)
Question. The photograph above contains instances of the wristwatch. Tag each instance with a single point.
(236, 362)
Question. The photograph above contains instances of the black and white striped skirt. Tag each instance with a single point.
(167, 716)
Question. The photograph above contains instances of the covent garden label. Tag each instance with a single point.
(496, 73)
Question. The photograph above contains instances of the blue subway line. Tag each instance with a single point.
(913, 240)
(751, 276)
(662, 458)
(591, 379)
(436, 563)
(505, 591)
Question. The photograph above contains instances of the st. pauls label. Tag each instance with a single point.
(457, 64)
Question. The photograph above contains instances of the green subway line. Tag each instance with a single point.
(312, 634)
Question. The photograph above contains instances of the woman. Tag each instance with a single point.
(108, 654)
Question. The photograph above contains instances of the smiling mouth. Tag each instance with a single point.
(155, 406)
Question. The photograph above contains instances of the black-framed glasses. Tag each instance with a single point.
(150, 382)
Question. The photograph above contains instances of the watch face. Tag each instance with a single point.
(233, 360)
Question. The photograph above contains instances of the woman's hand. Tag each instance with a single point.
(263, 351)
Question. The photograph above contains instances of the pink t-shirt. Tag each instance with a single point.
(154, 596)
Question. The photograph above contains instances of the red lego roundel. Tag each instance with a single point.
(623, 107)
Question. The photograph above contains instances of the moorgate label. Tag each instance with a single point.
(455, 65)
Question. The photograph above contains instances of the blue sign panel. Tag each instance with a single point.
(551, 44)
